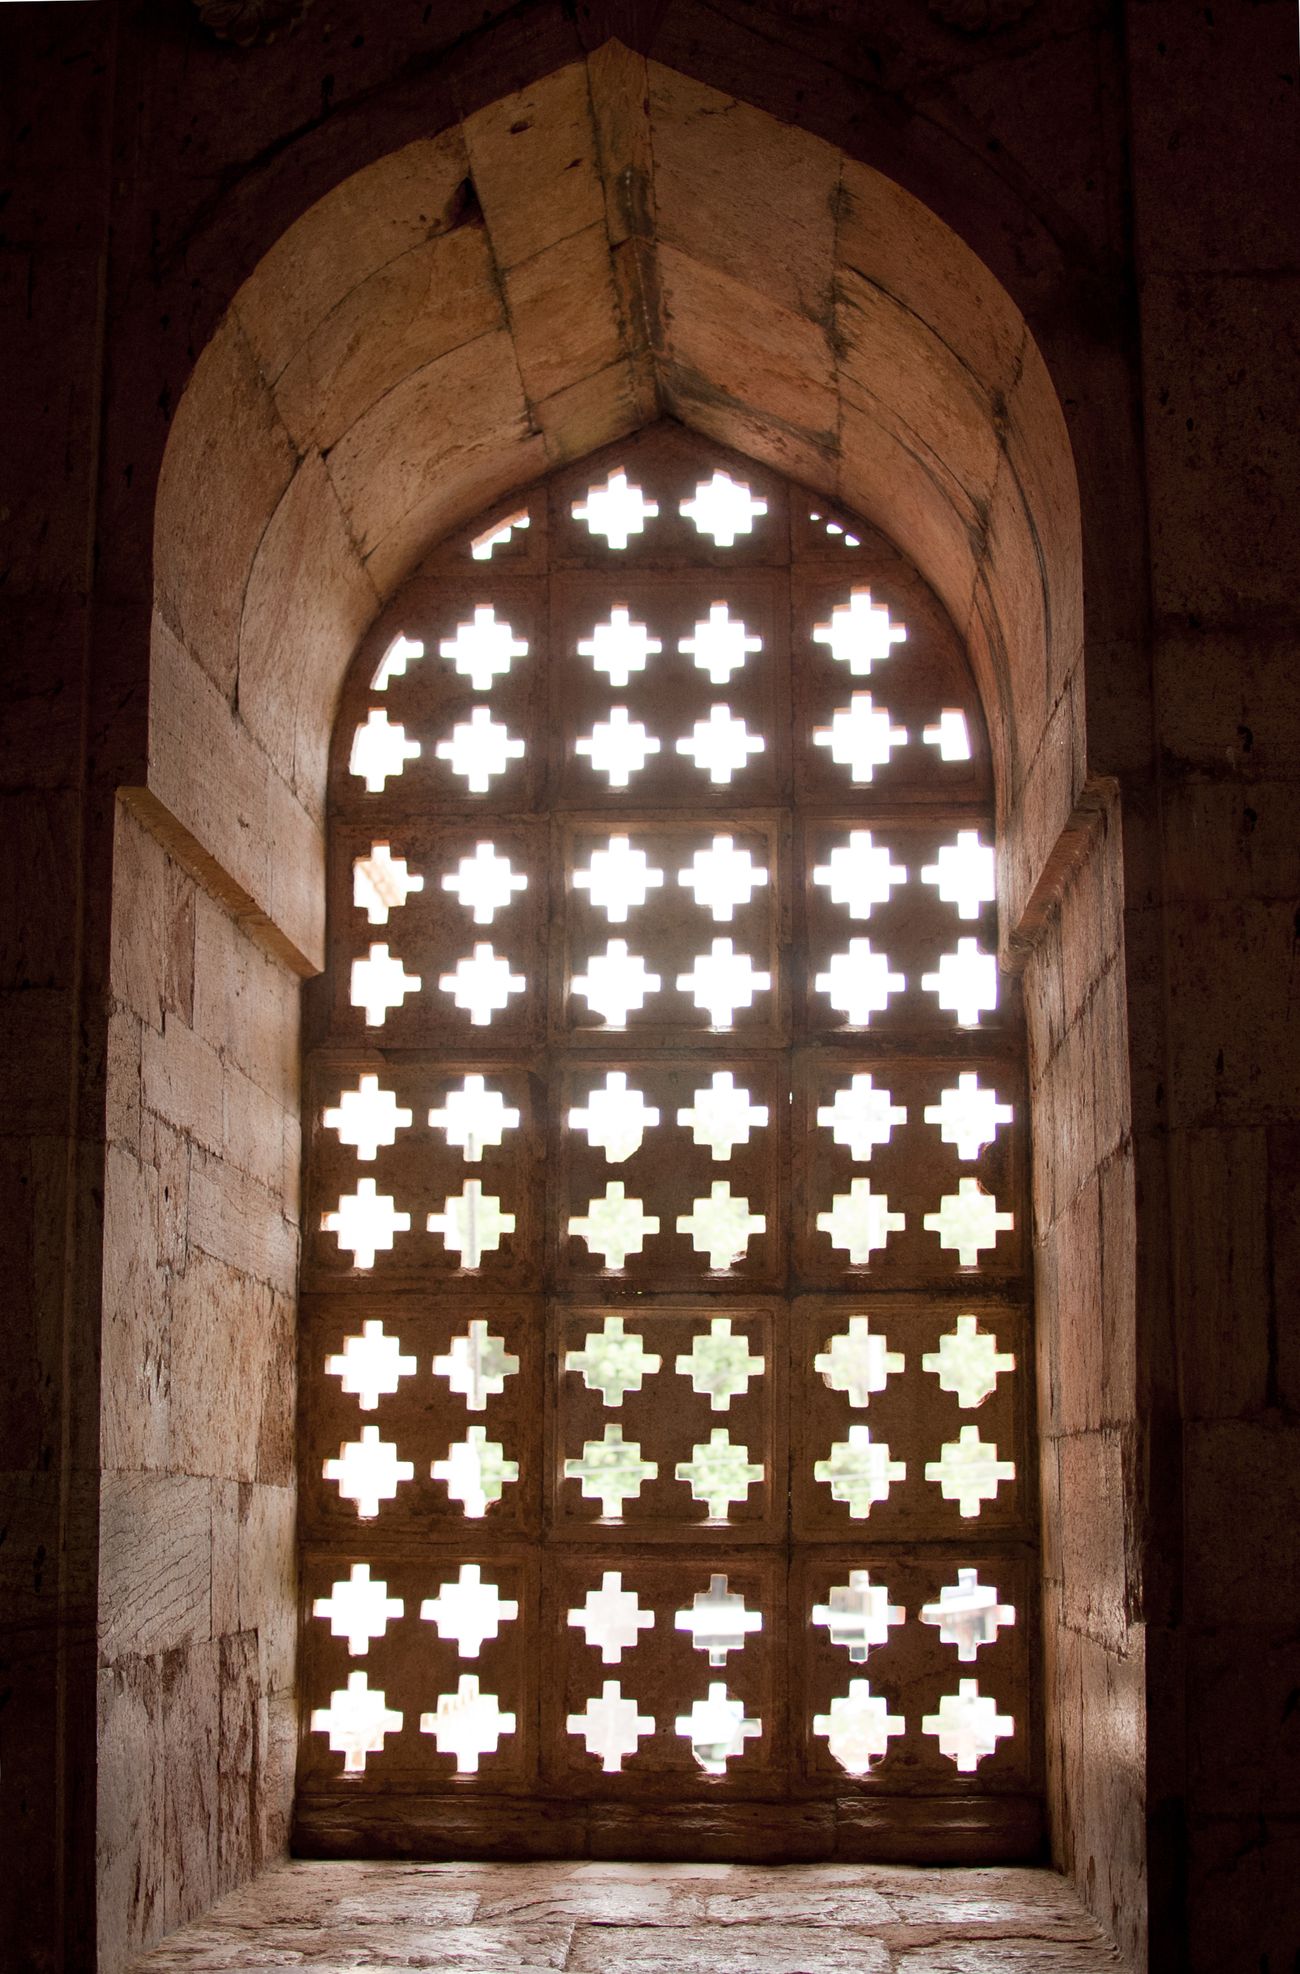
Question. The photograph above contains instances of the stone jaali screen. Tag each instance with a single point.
(666, 1438)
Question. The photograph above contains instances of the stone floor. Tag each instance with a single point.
(642, 1919)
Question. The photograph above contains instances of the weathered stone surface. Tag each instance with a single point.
(914, 384)
(129, 1838)
(596, 411)
(268, 1570)
(1229, 839)
(238, 1778)
(892, 239)
(564, 313)
(152, 955)
(620, 1917)
(135, 1421)
(523, 1950)
(620, 103)
(1219, 713)
(181, 1081)
(1232, 1027)
(277, 1743)
(245, 1005)
(307, 602)
(1007, 1957)
(718, 337)
(343, 239)
(217, 784)
(235, 1220)
(533, 156)
(219, 1331)
(189, 1685)
(155, 1570)
(774, 1949)
(426, 301)
(792, 1903)
(441, 424)
(729, 184)
(220, 497)
(1092, 1533)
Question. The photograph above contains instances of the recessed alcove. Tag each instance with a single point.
(339, 423)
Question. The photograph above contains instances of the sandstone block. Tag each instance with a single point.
(235, 1220)
(1119, 1289)
(609, 406)
(752, 352)
(246, 1006)
(1094, 1595)
(1231, 1012)
(228, 460)
(439, 293)
(436, 432)
(268, 1580)
(239, 1773)
(533, 159)
(252, 1132)
(368, 221)
(1224, 704)
(730, 203)
(564, 314)
(1076, 1313)
(912, 381)
(685, 394)
(204, 769)
(620, 102)
(122, 1077)
(135, 1342)
(223, 1497)
(155, 1564)
(1226, 839)
(151, 967)
(190, 1686)
(277, 1715)
(893, 240)
(307, 602)
(219, 1345)
(181, 1081)
(130, 1824)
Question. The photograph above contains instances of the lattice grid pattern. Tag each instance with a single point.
(666, 1421)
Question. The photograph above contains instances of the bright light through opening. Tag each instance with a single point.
(723, 508)
(617, 511)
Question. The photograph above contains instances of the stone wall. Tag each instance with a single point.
(1088, 1414)
(197, 1574)
(54, 202)
(1219, 1112)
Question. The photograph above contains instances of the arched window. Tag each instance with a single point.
(666, 1478)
